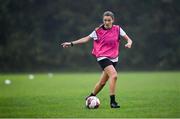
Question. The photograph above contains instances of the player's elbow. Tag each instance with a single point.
(130, 41)
(86, 39)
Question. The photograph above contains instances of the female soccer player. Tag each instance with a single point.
(106, 40)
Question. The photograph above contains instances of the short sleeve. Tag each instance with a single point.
(93, 35)
(122, 32)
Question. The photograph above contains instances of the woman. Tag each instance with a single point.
(106, 50)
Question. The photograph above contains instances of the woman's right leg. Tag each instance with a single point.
(112, 73)
(101, 83)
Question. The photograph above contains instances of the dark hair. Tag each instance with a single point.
(108, 13)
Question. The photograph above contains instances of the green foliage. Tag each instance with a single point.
(32, 30)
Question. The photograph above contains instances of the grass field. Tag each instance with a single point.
(141, 94)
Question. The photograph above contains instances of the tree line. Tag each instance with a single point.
(31, 32)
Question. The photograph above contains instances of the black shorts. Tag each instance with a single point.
(106, 62)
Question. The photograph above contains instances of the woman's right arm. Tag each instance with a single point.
(79, 41)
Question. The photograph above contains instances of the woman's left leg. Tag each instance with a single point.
(101, 83)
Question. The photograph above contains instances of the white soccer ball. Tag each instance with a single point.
(50, 75)
(92, 102)
(7, 82)
(31, 76)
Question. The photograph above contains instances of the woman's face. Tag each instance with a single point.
(108, 21)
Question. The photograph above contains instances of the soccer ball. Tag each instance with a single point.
(31, 76)
(92, 102)
(7, 82)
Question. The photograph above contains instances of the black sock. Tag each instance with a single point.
(112, 98)
(92, 94)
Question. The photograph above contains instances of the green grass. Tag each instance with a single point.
(141, 94)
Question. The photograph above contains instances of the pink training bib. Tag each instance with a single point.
(107, 44)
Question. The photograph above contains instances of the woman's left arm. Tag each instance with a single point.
(129, 41)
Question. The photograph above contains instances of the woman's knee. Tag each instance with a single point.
(102, 83)
(104, 79)
(114, 76)
(111, 71)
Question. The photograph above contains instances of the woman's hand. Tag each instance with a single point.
(128, 45)
(129, 41)
(79, 41)
(66, 44)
